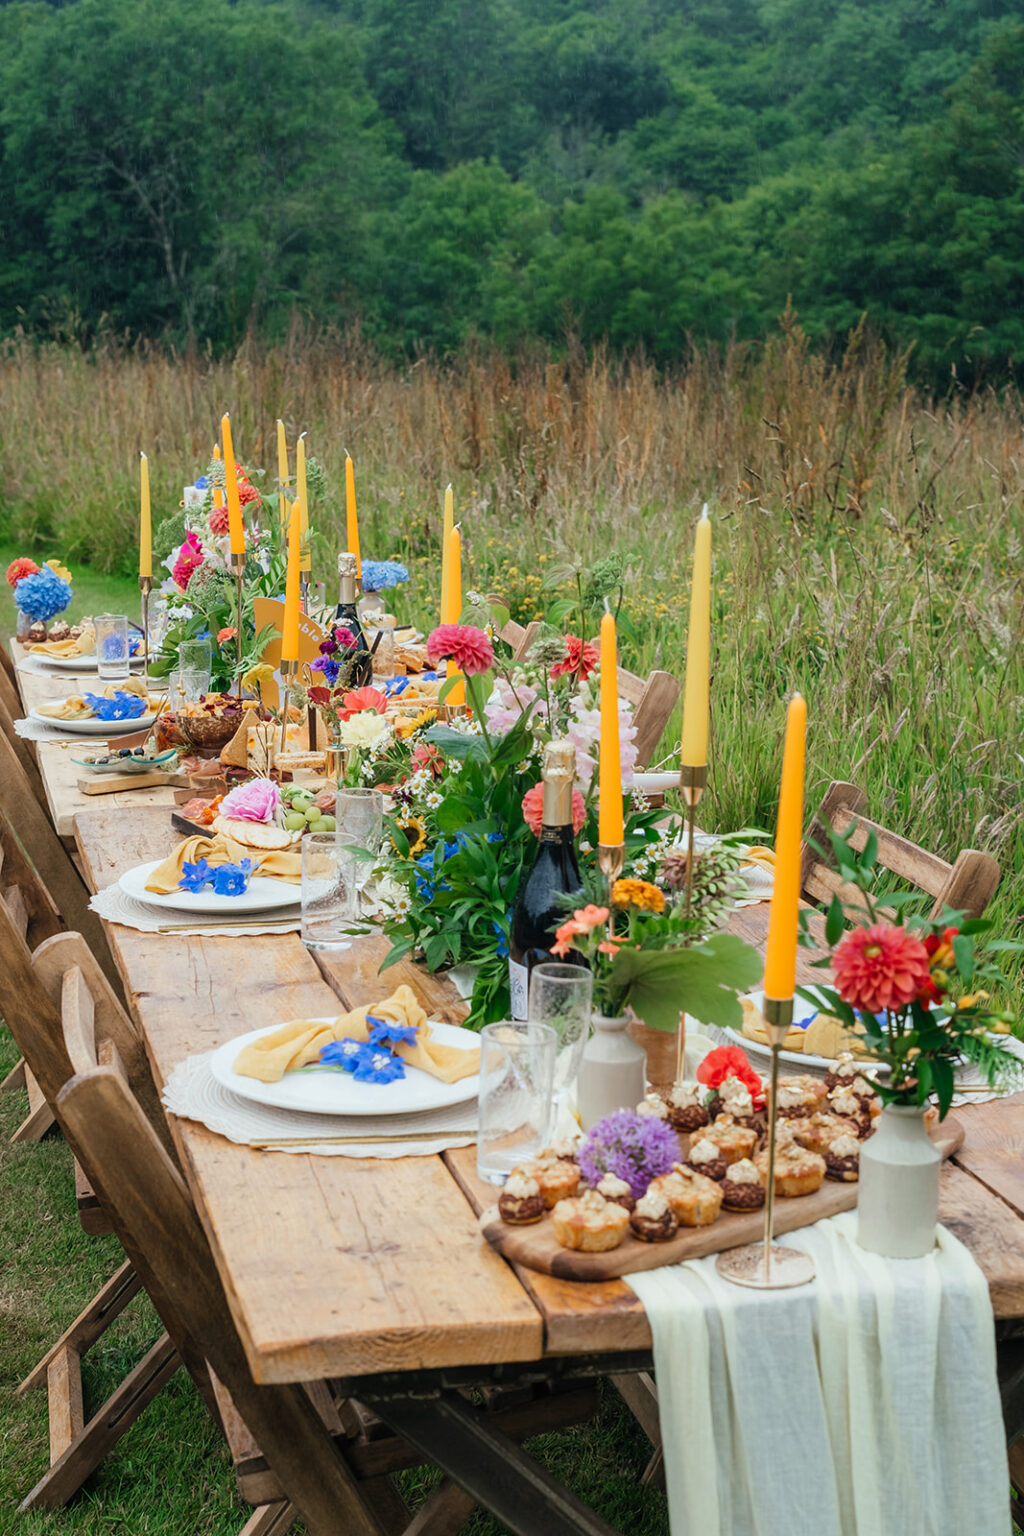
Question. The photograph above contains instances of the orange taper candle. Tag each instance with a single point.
(236, 528)
(783, 919)
(446, 533)
(610, 830)
(290, 627)
(351, 518)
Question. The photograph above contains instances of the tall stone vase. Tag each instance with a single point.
(898, 1199)
(612, 1073)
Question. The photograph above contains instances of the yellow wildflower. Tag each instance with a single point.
(261, 673)
(59, 570)
(415, 830)
(638, 893)
(406, 728)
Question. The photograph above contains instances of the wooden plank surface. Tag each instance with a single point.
(333, 1266)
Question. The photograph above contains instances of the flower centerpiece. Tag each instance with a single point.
(40, 593)
(355, 719)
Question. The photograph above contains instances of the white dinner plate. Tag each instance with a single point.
(814, 1066)
(90, 726)
(327, 1091)
(262, 894)
(88, 663)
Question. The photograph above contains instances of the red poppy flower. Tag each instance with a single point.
(359, 699)
(729, 1061)
(580, 657)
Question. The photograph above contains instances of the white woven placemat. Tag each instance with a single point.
(193, 1093)
(38, 667)
(35, 730)
(116, 906)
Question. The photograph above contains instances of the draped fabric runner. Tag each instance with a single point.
(864, 1404)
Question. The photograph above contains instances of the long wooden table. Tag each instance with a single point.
(373, 1271)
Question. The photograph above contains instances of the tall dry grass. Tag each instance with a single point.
(868, 538)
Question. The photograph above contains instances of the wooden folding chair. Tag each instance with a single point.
(21, 749)
(966, 885)
(9, 694)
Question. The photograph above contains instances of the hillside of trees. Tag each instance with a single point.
(636, 171)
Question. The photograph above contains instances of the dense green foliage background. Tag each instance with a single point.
(432, 169)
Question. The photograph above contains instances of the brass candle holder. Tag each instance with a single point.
(289, 671)
(693, 781)
(238, 566)
(145, 587)
(764, 1266)
(611, 859)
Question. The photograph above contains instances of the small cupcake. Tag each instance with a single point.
(617, 1191)
(842, 1160)
(695, 1200)
(849, 1106)
(653, 1220)
(566, 1148)
(706, 1158)
(742, 1189)
(734, 1098)
(590, 1224)
(60, 630)
(654, 1105)
(37, 633)
(521, 1201)
(686, 1112)
(817, 1132)
(733, 1141)
(556, 1178)
(797, 1172)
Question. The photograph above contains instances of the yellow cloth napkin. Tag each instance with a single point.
(85, 645)
(276, 863)
(73, 707)
(300, 1042)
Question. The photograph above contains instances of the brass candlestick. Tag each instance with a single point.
(304, 591)
(763, 1266)
(693, 780)
(289, 671)
(611, 858)
(238, 566)
(145, 587)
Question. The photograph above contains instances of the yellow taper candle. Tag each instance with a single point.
(446, 533)
(290, 626)
(218, 493)
(145, 523)
(783, 919)
(454, 609)
(282, 473)
(610, 830)
(236, 528)
(305, 558)
(698, 651)
(351, 518)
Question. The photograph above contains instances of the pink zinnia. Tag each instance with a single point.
(190, 558)
(881, 968)
(533, 809)
(580, 656)
(220, 522)
(468, 647)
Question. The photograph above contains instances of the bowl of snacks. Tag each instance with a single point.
(125, 760)
(209, 724)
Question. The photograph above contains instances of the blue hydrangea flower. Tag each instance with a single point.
(42, 596)
(123, 706)
(194, 876)
(342, 1053)
(376, 1065)
(232, 879)
(379, 575)
(386, 1033)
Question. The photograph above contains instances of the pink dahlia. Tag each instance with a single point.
(533, 809)
(220, 522)
(468, 647)
(580, 657)
(23, 566)
(880, 968)
(247, 493)
(190, 558)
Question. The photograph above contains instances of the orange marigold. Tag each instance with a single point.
(638, 893)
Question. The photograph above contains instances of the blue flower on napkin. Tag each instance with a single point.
(385, 1033)
(123, 706)
(341, 1053)
(194, 876)
(376, 1065)
(232, 879)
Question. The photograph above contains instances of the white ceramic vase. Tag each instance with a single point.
(898, 1199)
(612, 1072)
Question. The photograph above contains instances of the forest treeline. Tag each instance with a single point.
(636, 171)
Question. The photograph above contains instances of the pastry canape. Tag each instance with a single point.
(734, 1098)
(706, 1158)
(653, 1105)
(842, 1160)
(686, 1111)
(61, 630)
(798, 1096)
(695, 1200)
(847, 1073)
(566, 1148)
(556, 1177)
(653, 1220)
(590, 1223)
(732, 1140)
(850, 1106)
(617, 1191)
(742, 1189)
(520, 1201)
(797, 1172)
(817, 1132)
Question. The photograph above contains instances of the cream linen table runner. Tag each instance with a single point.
(864, 1404)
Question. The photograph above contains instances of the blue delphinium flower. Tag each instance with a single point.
(232, 879)
(376, 1065)
(194, 876)
(384, 1032)
(379, 575)
(123, 706)
(342, 1053)
(201, 482)
(42, 596)
(502, 945)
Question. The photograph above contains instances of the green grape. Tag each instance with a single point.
(313, 813)
(327, 824)
(294, 821)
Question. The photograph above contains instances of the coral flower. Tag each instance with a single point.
(638, 893)
(225, 634)
(363, 698)
(564, 937)
(426, 755)
(580, 657)
(590, 917)
(533, 809)
(468, 647)
(729, 1061)
(220, 520)
(247, 493)
(23, 566)
(880, 968)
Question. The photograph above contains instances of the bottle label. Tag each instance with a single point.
(519, 987)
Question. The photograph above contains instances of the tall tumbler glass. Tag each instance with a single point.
(326, 881)
(561, 995)
(195, 669)
(359, 817)
(517, 1066)
(112, 660)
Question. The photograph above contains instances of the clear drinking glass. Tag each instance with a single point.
(195, 668)
(326, 885)
(359, 817)
(112, 646)
(517, 1066)
(561, 995)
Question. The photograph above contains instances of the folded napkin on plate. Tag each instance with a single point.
(276, 863)
(73, 707)
(299, 1043)
(65, 650)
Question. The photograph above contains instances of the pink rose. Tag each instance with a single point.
(255, 801)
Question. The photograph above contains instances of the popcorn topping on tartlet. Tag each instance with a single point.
(613, 1188)
(685, 1096)
(792, 1094)
(704, 1151)
(520, 1186)
(844, 1101)
(653, 1104)
(744, 1172)
(845, 1146)
(653, 1205)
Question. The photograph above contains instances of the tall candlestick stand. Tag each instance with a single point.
(289, 671)
(238, 566)
(145, 587)
(693, 781)
(304, 592)
(611, 858)
(764, 1266)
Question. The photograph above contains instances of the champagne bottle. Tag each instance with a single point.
(538, 911)
(361, 671)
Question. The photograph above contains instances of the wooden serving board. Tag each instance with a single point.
(538, 1248)
(108, 783)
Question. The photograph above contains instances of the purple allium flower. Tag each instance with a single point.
(637, 1148)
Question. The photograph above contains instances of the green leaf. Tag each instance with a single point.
(450, 815)
(869, 857)
(963, 949)
(942, 1076)
(448, 685)
(395, 953)
(704, 981)
(455, 744)
(834, 922)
